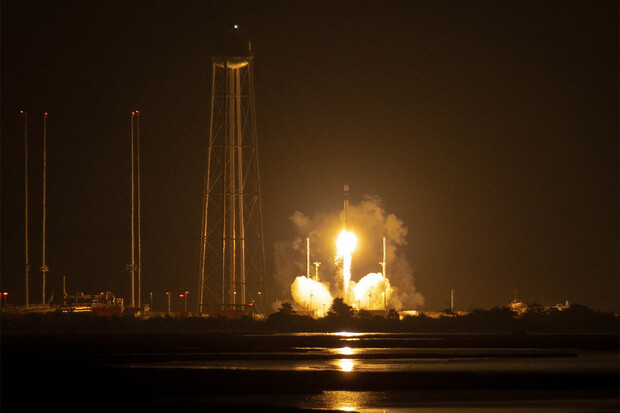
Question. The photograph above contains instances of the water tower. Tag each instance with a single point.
(232, 256)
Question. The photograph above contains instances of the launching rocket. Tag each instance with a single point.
(346, 206)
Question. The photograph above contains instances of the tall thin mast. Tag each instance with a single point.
(139, 211)
(383, 265)
(44, 267)
(27, 268)
(316, 270)
(132, 266)
(308, 258)
(203, 237)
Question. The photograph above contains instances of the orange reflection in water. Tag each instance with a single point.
(346, 401)
(345, 364)
(347, 334)
(345, 351)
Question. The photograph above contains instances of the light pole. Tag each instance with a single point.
(26, 201)
(316, 270)
(44, 268)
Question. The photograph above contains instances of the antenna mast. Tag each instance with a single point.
(27, 268)
(308, 258)
(44, 268)
(139, 211)
(132, 266)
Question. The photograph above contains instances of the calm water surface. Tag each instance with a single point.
(355, 353)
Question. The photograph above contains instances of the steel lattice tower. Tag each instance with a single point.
(232, 257)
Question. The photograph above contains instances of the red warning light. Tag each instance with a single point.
(137, 111)
(181, 295)
(21, 111)
(45, 113)
(5, 294)
(251, 304)
(133, 113)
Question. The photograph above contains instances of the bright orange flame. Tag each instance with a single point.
(345, 245)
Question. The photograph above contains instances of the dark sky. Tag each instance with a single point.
(489, 127)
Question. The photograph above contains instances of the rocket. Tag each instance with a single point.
(346, 205)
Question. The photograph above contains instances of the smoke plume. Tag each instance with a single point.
(370, 223)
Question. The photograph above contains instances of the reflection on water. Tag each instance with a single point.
(416, 402)
(346, 401)
(361, 360)
(345, 364)
(345, 351)
(348, 334)
(350, 364)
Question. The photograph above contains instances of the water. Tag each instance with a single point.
(347, 359)
(364, 372)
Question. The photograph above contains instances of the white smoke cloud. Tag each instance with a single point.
(371, 290)
(311, 295)
(370, 223)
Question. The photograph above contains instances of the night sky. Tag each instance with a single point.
(490, 128)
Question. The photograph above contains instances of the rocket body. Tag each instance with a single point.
(346, 206)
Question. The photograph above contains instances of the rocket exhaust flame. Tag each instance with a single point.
(389, 285)
(345, 245)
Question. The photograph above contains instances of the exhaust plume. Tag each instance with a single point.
(372, 291)
(370, 223)
(311, 295)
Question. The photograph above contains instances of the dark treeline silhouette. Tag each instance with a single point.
(340, 317)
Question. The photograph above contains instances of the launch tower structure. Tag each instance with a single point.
(232, 255)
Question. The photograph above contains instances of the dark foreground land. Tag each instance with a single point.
(146, 371)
